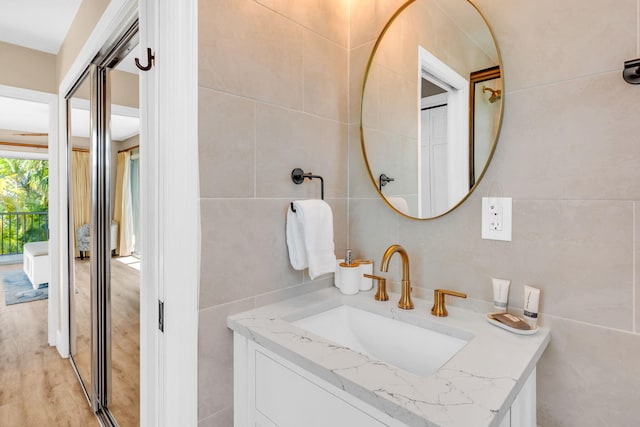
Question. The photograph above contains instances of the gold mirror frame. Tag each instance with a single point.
(477, 181)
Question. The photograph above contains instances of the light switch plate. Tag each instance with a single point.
(496, 218)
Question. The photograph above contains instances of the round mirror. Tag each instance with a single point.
(431, 106)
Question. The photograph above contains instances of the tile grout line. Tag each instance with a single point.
(303, 73)
(273, 104)
(302, 25)
(348, 5)
(582, 322)
(562, 81)
(255, 150)
(633, 275)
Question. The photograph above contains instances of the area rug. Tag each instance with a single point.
(18, 289)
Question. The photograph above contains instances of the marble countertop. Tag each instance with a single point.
(475, 387)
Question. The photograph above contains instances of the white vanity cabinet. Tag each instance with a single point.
(271, 391)
(523, 409)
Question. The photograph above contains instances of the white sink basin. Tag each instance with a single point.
(406, 346)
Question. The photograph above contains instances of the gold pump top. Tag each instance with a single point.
(352, 265)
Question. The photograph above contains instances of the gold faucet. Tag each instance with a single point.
(405, 297)
(439, 309)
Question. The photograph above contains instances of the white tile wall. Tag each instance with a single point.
(280, 85)
(568, 155)
(273, 77)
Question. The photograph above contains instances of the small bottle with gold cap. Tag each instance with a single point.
(366, 268)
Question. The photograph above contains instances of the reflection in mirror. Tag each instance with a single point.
(422, 121)
(104, 261)
(125, 244)
(486, 95)
(125, 250)
(79, 224)
(433, 144)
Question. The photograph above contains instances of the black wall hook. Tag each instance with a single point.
(150, 61)
(631, 72)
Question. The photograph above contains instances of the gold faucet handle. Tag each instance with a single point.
(439, 309)
(452, 293)
(381, 294)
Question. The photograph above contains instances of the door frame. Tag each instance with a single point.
(457, 88)
(51, 99)
(170, 173)
(169, 181)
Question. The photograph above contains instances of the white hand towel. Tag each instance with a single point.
(400, 203)
(295, 241)
(310, 237)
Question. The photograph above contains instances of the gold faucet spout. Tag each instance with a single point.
(405, 297)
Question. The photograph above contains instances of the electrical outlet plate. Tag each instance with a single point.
(496, 218)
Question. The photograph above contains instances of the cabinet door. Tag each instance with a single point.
(523, 409)
(287, 399)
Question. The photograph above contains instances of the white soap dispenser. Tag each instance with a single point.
(349, 275)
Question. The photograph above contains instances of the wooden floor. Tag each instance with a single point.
(125, 337)
(39, 388)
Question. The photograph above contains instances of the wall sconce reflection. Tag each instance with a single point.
(495, 94)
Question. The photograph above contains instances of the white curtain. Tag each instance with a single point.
(123, 212)
(80, 191)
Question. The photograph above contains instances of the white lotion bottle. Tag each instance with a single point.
(531, 302)
(500, 294)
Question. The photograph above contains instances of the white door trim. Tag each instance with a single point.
(150, 373)
(52, 100)
(171, 230)
(457, 121)
(178, 213)
(434, 100)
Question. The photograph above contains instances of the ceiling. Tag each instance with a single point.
(37, 24)
(42, 25)
(19, 117)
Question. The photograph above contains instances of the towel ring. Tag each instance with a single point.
(384, 180)
(298, 176)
